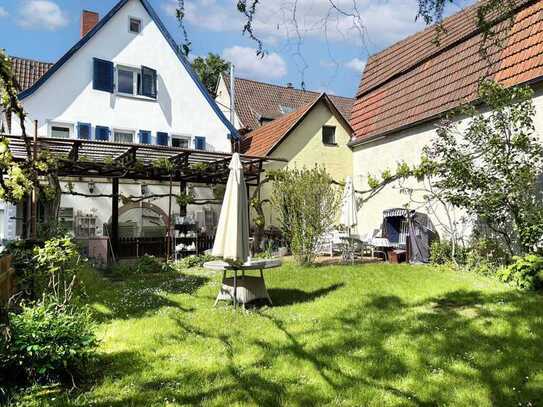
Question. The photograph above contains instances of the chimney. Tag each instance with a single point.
(88, 20)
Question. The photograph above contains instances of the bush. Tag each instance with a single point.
(307, 204)
(193, 261)
(25, 265)
(57, 264)
(441, 252)
(151, 264)
(525, 273)
(48, 342)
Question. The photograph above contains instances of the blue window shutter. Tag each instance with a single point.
(84, 131)
(162, 138)
(148, 82)
(200, 143)
(145, 137)
(102, 78)
(102, 133)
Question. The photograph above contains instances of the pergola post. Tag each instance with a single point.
(115, 217)
(183, 191)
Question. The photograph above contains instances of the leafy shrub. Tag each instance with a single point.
(57, 263)
(525, 273)
(487, 250)
(441, 252)
(150, 264)
(25, 265)
(193, 261)
(48, 342)
(307, 204)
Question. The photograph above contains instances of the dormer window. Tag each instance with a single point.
(134, 25)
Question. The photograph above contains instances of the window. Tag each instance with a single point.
(101, 133)
(329, 134)
(200, 143)
(123, 136)
(60, 132)
(84, 131)
(180, 141)
(134, 26)
(125, 81)
(61, 129)
(137, 81)
(145, 137)
(162, 138)
(286, 109)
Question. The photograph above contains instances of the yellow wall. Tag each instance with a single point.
(304, 148)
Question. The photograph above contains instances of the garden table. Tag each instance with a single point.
(243, 289)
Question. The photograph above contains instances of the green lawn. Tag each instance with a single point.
(375, 335)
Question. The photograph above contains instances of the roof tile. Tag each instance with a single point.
(393, 96)
(258, 99)
(28, 71)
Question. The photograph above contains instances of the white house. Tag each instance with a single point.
(125, 80)
(407, 87)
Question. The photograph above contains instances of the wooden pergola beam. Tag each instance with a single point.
(128, 157)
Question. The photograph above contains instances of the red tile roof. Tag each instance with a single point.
(28, 71)
(415, 80)
(262, 141)
(258, 99)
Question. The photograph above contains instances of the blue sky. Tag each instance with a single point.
(330, 56)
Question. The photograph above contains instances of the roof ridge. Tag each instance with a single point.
(31, 60)
(285, 87)
(427, 29)
(469, 33)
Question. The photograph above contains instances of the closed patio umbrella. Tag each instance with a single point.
(232, 237)
(348, 205)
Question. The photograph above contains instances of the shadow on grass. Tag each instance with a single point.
(288, 296)
(384, 350)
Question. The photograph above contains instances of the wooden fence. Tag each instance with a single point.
(7, 279)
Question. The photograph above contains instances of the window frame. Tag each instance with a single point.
(135, 72)
(137, 82)
(54, 123)
(130, 18)
(325, 142)
(186, 137)
(119, 130)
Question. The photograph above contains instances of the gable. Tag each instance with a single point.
(264, 140)
(115, 47)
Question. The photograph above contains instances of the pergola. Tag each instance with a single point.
(105, 159)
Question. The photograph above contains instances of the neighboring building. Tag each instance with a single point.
(126, 81)
(258, 103)
(316, 133)
(406, 88)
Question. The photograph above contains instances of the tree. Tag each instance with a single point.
(491, 167)
(209, 70)
(485, 161)
(307, 202)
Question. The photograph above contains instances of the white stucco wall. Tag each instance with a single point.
(375, 157)
(223, 100)
(181, 109)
